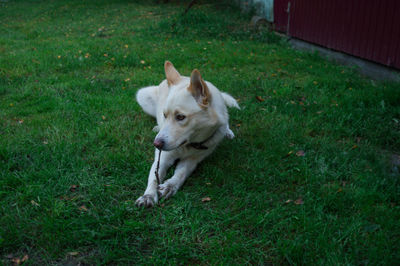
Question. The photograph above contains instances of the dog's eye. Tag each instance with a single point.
(180, 117)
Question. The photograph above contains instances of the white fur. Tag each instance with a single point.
(229, 100)
(210, 124)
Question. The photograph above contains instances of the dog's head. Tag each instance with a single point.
(188, 113)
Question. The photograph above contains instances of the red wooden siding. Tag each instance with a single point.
(369, 29)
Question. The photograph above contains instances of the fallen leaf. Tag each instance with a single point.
(142, 62)
(73, 253)
(45, 142)
(208, 183)
(259, 99)
(103, 117)
(35, 203)
(288, 201)
(300, 153)
(73, 188)
(299, 201)
(25, 258)
(20, 121)
(354, 147)
(83, 208)
(206, 199)
(17, 261)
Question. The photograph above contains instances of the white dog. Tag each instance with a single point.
(192, 119)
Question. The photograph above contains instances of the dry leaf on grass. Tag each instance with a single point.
(288, 154)
(259, 99)
(300, 153)
(299, 201)
(34, 203)
(73, 188)
(17, 261)
(206, 199)
(83, 208)
(73, 253)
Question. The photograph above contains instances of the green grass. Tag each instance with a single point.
(68, 117)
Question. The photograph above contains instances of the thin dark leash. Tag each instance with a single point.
(158, 167)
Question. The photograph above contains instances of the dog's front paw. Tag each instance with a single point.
(228, 133)
(147, 201)
(166, 190)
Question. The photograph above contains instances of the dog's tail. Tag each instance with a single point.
(147, 99)
(229, 100)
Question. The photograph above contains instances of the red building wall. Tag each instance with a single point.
(369, 29)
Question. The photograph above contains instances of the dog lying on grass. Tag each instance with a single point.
(192, 119)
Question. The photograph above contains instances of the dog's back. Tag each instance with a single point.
(147, 98)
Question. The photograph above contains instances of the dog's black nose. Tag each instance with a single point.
(158, 143)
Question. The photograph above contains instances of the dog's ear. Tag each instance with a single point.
(198, 88)
(173, 76)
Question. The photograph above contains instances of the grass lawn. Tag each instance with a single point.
(309, 178)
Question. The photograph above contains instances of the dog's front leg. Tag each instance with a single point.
(150, 197)
(183, 169)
